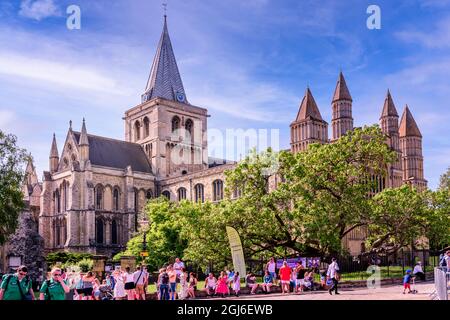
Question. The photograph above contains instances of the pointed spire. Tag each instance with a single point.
(389, 107)
(341, 92)
(308, 108)
(54, 151)
(164, 80)
(408, 126)
(83, 137)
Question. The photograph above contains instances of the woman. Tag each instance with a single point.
(192, 285)
(163, 284)
(119, 287)
(222, 287)
(268, 282)
(129, 284)
(88, 285)
(183, 294)
(96, 289)
(172, 281)
(251, 283)
(236, 283)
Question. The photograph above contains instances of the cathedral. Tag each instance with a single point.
(95, 190)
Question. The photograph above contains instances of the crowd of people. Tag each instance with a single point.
(173, 282)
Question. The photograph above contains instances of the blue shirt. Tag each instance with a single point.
(268, 279)
(407, 278)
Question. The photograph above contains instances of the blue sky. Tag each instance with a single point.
(248, 62)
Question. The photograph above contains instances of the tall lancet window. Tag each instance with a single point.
(146, 127)
(137, 131)
(175, 123)
(116, 196)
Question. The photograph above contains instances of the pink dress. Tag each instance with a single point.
(222, 286)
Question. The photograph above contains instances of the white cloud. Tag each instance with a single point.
(6, 117)
(39, 9)
(57, 73)
(439, 37)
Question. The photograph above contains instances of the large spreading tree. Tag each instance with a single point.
(12, 174)
(304, 203)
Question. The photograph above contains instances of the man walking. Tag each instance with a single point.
(55, 288)
(17, 286)
(333, 274)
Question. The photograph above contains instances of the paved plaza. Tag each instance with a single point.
(391, 292)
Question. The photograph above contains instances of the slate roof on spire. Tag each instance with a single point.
(83, 137)
(164, 80)
(54, 151)
(341, 92)
(308, 108)
(389, 107)
(408, 126)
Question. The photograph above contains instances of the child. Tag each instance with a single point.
(407, 281)
(236, 284)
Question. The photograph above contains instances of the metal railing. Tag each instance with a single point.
(441, 283)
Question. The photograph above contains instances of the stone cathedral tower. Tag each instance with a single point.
(389, 126)
(342, 120)
(170, 129)
(308, 127)
(411, 147)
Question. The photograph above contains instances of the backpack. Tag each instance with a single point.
(164, 278)
(47, 291)
(443, 262)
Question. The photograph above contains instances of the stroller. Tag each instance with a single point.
(106, 292)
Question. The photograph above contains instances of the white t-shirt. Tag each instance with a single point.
(332, 268)
(417, 269)
(129, 277)
(271, 267)
(177, 267)
(139, 279)
(211, 283)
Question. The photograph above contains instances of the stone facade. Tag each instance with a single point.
(94, 193)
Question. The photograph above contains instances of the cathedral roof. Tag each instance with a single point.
(164, 80)
(308, 108)
(389, 107)
(117, 154)
(341, 92)
(408, 126)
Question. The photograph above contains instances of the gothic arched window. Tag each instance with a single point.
(217, 190)
(166, 194)
(181, 194)
(116, 198)
(189, 126)
(146, 127)
(199, 193)
(175, 123)
(57, 201)
(137, 131)
(99, 230)
(114, 232)
(99, 197)
(136, 200)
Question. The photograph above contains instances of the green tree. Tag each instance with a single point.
(444, 183)
(12, 174)
(163, 235)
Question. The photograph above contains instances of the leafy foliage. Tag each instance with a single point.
(63, 258)
(12, 174)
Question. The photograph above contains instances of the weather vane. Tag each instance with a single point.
(165, 8)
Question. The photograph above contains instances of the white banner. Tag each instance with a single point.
(237, 253)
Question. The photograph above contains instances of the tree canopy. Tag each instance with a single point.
(12, 174)
(304, 203)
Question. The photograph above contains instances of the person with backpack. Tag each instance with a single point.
(17, 286)
(54, 288)
(163, 281)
